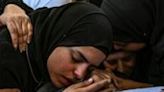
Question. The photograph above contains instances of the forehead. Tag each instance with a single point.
(127, 46)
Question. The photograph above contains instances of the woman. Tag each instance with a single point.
(66, 42)
(138, 28)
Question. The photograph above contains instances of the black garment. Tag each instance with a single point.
(96, 2)
(75, 24)
(140, 21)
(133, 19)
(48, 87)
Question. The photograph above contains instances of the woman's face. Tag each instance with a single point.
(123, 57)
(67, 64)
(120, 62)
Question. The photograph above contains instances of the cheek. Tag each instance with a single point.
(52, 67)
(60, 67)
(66, 67)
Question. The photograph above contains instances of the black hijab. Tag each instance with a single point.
(132, 20)
(141, 21)
(75, 24)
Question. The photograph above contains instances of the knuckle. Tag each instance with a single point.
(20, 40)
(14, 39)
(30, 33)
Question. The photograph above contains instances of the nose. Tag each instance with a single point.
(81, 70)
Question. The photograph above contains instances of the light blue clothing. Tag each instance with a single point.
(35, 4)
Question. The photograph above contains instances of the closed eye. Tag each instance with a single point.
(77, 57)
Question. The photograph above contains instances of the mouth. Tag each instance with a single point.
(66, 81)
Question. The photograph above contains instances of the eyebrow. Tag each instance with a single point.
(81, 55)
(92, 65)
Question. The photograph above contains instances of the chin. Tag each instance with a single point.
(59, 85)
(59, 82)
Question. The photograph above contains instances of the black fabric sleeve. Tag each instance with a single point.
(20, 3)
(14, 71)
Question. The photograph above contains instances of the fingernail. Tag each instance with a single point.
(15, 46)
(28, 41)
(21, 50)
(90, 80)
(109, 80)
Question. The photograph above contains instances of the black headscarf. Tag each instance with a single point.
(132, 20)
(141, 21)
(75, 24)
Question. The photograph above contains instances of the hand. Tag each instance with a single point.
(87, 86)
(99, 75)
(18, 24)
(116, 83)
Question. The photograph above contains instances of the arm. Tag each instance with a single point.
(117, 82)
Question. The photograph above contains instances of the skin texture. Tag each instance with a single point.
(123, 57)
(88, 86)
(18, 24)
(67, 65)
(122, 62)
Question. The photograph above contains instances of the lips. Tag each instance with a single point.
(65, 81)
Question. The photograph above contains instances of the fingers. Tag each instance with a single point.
(79, 87)
(18, 24)
(97, 86)
(13, 32)
(20, 29)
(84, 83)
(87, 86)
(25, 34)
(102, 74)
(30, 33)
